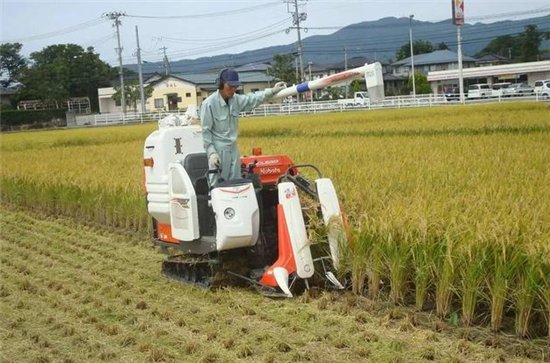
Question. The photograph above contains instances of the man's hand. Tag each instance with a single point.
(279, 86)
(213, 161)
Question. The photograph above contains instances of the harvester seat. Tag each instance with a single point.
(196, 166)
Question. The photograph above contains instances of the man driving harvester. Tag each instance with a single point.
(220, 118)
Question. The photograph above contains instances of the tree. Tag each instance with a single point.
(505, 46)
(132, 93)
(421, 84)
(524, 47)
(357, 85)
(530, 43)
(62, 71)
(282, 68)
(11, 63)
(442, 46)
(419, 47)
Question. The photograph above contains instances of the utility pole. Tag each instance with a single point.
(346, 68)
(115, 17)
(140, 74)
(412, 54)
(458, 20)
(296, 18)
(166, 63)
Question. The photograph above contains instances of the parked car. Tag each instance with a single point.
(544, 91)
(452, 94)
(479, 90)
(519, 89)
(539, 85)
(499, 89)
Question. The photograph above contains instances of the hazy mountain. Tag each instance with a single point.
(378, 40)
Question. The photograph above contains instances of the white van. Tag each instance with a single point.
(499, 89)
(479, 90)
(539, 85)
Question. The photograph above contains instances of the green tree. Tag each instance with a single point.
(442, 46)
(282, 68)
(530, 43)
(419, 47)
(504, 46)
(421, 84)
(11, 63)
(62, 71)
(357, 86)
(132, 93)
(524, 47)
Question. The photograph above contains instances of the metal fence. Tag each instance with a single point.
(396, 102)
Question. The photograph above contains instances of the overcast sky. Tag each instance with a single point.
(193, 29)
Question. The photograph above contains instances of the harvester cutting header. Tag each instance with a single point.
(252, 226)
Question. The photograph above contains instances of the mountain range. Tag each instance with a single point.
(375, 40)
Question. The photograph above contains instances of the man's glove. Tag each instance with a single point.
(279, 86)
(213, 161)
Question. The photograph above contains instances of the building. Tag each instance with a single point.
(440, 60)
(178, 91)
(528, 72)
(8, 95)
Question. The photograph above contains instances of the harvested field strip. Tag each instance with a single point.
(69, 293)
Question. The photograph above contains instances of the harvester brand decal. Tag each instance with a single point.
(272, 170)
(339, 77)
(290, 193)
(178, 145)
(183, 202)
(267, 162)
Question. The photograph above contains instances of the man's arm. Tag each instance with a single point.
(207, 122)
(252, 100)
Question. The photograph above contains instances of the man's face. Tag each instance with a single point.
(228, 91)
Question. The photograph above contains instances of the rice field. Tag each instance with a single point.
(449, 207)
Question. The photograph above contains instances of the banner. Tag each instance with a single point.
(458, 12)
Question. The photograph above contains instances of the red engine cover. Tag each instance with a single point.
(268, 167)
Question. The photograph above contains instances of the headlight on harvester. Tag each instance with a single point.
(229, 213)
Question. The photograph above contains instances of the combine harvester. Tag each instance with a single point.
(253, 227)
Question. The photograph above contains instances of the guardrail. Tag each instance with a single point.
(395, 102)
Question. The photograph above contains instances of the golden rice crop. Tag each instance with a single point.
(449, 205)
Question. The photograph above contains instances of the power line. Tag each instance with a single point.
(71, 29)
(208, 15)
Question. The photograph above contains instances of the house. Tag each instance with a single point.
(178, 91)
(8, 95)
(440, 60)
(492, 60)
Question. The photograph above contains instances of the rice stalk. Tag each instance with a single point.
(527, 286)
(472, 270)
(396, 256)
(421, 256)
(444, 270)
(504, 265)
(360, 247)
(544, 292)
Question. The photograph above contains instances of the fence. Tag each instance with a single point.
(295, 108)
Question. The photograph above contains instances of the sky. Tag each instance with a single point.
(194, 29)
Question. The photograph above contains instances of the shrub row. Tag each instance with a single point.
(14, 118)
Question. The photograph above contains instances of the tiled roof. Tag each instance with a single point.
(437, 57)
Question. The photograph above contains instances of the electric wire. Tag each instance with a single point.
(208, 15)
(71, 29)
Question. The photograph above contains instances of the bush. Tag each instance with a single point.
(12, 119)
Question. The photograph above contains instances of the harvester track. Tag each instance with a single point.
(191, 270)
